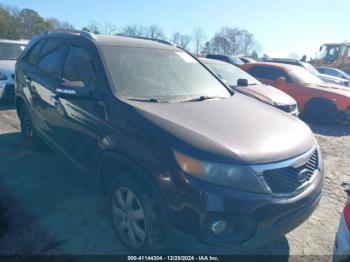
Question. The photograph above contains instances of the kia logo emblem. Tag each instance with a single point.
(303, 176)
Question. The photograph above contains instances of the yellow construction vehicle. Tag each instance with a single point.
(335, 55)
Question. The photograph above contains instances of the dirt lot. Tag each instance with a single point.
(52, 209)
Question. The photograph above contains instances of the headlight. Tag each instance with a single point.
(2, 76)
(238, 177)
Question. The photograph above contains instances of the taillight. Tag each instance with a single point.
(346, 213)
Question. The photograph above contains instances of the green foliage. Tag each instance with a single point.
(25, 23)
(9, 26)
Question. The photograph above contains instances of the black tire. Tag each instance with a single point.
(154, 240)
(29, 136)
(320, 112)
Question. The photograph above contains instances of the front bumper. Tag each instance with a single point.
(273, 217)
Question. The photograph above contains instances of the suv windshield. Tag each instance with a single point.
(302, 76)
(160, 74)
(231, 73)
(10, 51)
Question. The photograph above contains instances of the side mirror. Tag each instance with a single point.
(242, 82)
(74, 89)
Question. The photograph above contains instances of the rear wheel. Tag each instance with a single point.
(136, 215)
(320, 112)
(28, 133)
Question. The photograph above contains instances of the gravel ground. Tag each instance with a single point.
(51, 209)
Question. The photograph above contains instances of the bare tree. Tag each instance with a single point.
(134, 30)
(198, 37)
(233, 41)
(155, 32)
(176, 38)
(185, 40)
(104, 29)
(245, 42)
(181, 40)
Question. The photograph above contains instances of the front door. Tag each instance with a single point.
(83, 118)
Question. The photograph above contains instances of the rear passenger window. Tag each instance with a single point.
(34, 52)
(78, 69)
(269, 73)
(51, 57)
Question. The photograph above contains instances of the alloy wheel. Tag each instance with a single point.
(129, 217)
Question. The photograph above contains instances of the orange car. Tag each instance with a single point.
(317, 101)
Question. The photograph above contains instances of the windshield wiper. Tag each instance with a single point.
(151, 100)
(202, 98)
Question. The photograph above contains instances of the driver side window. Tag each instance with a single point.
(78, 71)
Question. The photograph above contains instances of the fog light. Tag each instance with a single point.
(219, 227)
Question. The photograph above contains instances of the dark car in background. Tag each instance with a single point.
(233, 60)
(239, 80)
(324, 77)
(247, 59)
(184, 161)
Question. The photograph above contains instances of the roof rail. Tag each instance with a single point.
(72, 32)
(149, 38)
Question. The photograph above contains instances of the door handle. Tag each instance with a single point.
(55, 101)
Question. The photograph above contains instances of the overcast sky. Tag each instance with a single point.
(281, 27)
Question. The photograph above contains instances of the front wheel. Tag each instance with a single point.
(320, 112)
(136, 215)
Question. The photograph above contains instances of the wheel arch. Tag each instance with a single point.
(319, 100)
(112, 164)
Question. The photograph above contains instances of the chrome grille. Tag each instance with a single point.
(288, 180)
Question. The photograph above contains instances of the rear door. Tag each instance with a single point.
(42, 77)
(47, 81)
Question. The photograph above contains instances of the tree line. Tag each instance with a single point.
(25, 23)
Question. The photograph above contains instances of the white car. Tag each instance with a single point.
(342, 241)
(10, 50)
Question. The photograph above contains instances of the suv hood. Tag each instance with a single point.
(7, 67)
(267, 94)
(237, 130)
